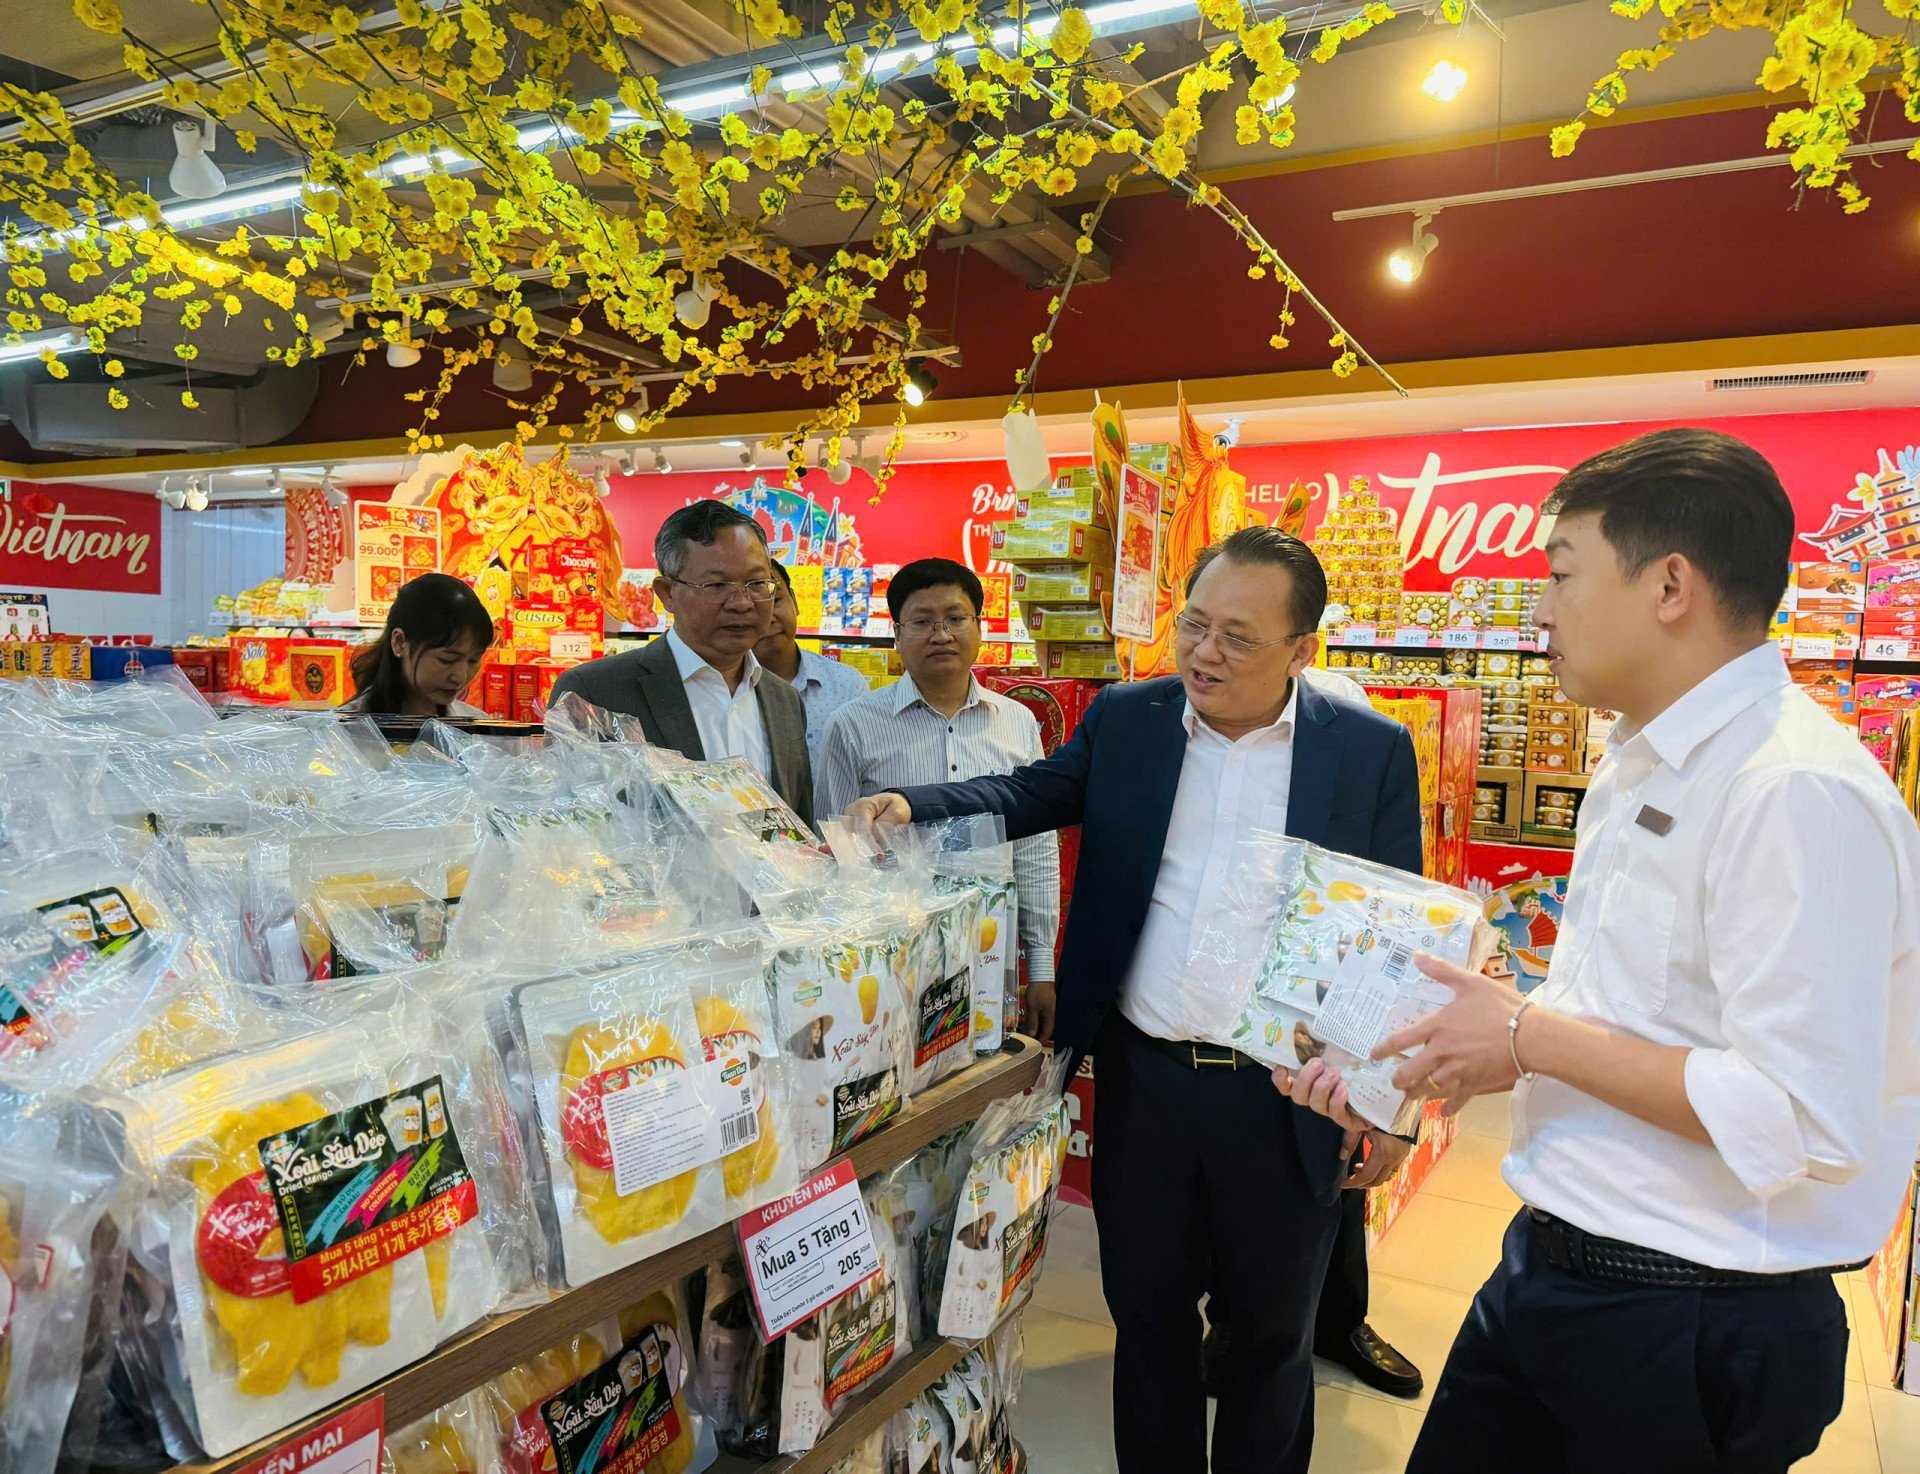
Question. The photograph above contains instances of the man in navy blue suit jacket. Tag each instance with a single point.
(1203, 1178)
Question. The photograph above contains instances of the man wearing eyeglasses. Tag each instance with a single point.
(698, 689)
(937, 724)
(1202, 1178)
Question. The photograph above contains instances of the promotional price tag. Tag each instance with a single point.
(808, 1249)
(1411, 637)
(571, 646)
(1886, 647)
(347, 1443)
(1812, 647)
(1359, 634)
(1501, 640)
(1459, 639)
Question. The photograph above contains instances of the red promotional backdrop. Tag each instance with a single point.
(79, 537)
(1468, 501)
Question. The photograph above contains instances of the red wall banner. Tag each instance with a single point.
(79, 537)
(1468, 501)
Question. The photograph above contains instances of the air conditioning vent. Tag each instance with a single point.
(1825, 379)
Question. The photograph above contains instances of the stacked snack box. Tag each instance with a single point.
(1360, 549)
(1892, 606)
(1445, 725)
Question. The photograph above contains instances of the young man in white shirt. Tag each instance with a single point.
(1717, 1089)
(824, 684)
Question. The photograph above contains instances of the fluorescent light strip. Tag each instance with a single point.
(60, 343)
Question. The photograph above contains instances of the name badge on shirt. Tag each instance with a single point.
(1652, 819)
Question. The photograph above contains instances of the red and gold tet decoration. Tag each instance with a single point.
(495, 508)
(316, 536)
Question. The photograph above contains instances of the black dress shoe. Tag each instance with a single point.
(1374, 1362)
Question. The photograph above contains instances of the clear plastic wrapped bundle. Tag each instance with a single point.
(1016, 1151)
(972, 854)
(447, 1441)
(768, 848)
(381, 899)
(919, 1438)
(1319, 961)
(644, 1099)
(321, 1210)
(62, 1185)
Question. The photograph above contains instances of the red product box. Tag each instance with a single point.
(1894, 585)
(1899, 624)
(495, 690)
(1057, 704)
(1462, 712)
(1880, 734)
(525, 694)
(1894, 691)
(1843, 709)
(1838, 586)
(201, 667)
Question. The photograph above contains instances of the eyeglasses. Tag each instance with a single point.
(1234, 647)
(923, 629)
(760, 590)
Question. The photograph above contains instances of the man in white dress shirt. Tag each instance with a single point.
(824, 684)
(1717, 1089)
(937, 724)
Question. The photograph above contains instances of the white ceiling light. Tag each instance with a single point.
(602, 483)
(1406, 264)
(171, 495)
(330, 327)
(402, 354)
(660, 461)
(336, 496)
(694, 305)
(746, 458)
(625, 462)
(841, 474)
(512, 373)
(60, 343)
(279, 484)
(1445, 82)
(627, 417)
(195, 499)
(1277, 103)
(194, 176)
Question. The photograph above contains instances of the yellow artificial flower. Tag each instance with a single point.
(1072, 35)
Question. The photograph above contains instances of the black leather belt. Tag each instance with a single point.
(1190, 1052)
(1579, 1252)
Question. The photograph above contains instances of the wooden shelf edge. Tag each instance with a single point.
(895, 1389)
(506, 1340)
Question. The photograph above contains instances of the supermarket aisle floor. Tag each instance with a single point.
(1424, 1277)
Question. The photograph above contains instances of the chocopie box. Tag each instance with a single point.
(1894, 585)
(1840, 586)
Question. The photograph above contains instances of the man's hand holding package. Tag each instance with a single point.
(868, 816)
(1317, 1086)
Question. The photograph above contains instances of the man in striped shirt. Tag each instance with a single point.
(937, 724)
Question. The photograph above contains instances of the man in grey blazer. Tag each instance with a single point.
(698, 689)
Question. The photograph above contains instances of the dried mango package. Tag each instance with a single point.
(940, 980)
(843, 1014)
(61, 1262)
(637, 1135)
(448, 1440)
(380, 900)
(971, 854)
(323, 1209)
(790, 1391)
(772, 854)
(1017, 1150)
(1320, 962)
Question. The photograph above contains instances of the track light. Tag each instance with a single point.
(330, 328)
(335, 495)
(919, 387)
(841, 474)
(746, 458)
(602, 483)
(194, 176)
(512, 373)
(402, 354)
(1406, 264)
(1445, 82)
(1275, 104)
(625, 462)
(279, 484)
(694, 305)
(171, 495)
(660, 461)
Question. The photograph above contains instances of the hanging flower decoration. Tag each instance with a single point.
(458, 169)
(1821, 53)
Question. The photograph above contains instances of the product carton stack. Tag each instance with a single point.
(1359, 547)
(1061, 548)
(1892, 609)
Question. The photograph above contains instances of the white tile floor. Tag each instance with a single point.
(1424, 1277)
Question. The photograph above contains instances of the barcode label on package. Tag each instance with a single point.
(1356, 1014)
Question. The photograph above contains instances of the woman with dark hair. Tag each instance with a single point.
(437, 634)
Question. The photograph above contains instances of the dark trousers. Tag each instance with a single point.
(1343, 1294)
(1555, 1371)
(1198, 1177)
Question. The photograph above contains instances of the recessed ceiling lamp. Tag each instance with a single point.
(660, 461)
(1406, 264)
(694, 305)
(1445, 82)
(194, 176)
(919, 387)
(512, 373)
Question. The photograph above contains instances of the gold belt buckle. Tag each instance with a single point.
(1200, 1059)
